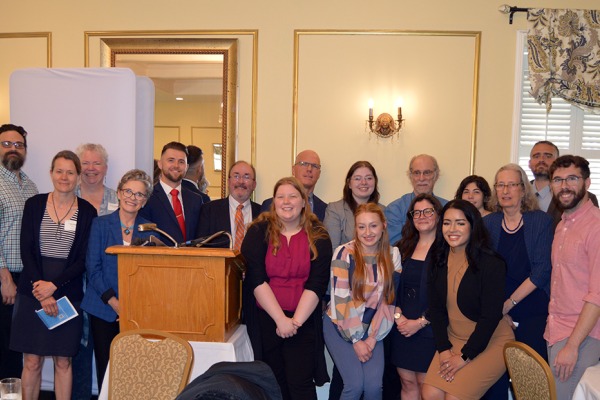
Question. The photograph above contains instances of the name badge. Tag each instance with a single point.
(70, 226)
(112, 206)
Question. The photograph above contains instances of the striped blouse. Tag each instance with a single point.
(358, 320)
(56, 239)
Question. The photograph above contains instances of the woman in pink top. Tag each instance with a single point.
(288, 254)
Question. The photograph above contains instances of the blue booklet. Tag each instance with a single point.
(66, 312)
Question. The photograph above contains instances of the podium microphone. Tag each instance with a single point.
(153, 227)
(200, 242)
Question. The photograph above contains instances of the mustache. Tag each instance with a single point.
(241, 185)
(567, 191)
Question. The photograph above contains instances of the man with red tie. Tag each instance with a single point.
(235, 212)
(173, 208)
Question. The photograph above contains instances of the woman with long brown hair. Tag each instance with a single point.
(364, 276)
(412, 344)
(288, 254)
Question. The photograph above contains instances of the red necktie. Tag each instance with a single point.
(240, 227)
(178, 211)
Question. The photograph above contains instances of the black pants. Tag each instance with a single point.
(11, 362)
(103, 332)
(292, 360)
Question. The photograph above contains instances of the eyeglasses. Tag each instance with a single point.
(358, 178)
(571, 180)
(238, 177)
(427, 212)
(511, 186)
(307, 164)
(426, 174)
(7, 144)
(129, 193)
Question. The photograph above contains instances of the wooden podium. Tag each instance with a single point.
(192, 292)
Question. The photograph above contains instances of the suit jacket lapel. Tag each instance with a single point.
(164, 200)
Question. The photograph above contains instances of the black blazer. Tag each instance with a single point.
(214, 217)
(319, 207)
(190, 185)
(158, 209)
(480, 298)
(70, 282)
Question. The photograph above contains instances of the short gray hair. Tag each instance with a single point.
(137, 175)
(98, 148)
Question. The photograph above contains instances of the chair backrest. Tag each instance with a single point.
(530, 374)
(158, 368)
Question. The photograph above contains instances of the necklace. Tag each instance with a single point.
(60, 220)
(507, 229)
(126, 229)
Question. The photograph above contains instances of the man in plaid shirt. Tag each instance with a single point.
(15, 189)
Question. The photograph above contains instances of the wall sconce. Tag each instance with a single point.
(385, 126)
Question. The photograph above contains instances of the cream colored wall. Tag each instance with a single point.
(276, 22)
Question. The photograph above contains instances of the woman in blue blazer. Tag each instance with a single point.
(101, 299)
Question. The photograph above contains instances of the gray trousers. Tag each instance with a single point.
(589, 353)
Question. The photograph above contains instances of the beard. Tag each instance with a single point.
(577, 197)
(173, 176)
(541, 172)
(13, 163)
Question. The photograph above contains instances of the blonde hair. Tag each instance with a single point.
(308, 221)
(528, 203)
(385, 266)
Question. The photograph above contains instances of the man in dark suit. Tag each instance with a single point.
(223, 214)
(195, 171)
(307, 169)
(542, 155)
(173, 208)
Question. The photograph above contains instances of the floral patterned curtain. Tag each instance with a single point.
(564, 56)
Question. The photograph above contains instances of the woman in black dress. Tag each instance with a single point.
(412, 342)
(54, 237)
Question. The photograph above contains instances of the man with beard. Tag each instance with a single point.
(307, 169)
(173, 208)
(235, 212)
(542, 155)
(573, 327)
(15, 189)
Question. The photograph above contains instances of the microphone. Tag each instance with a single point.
(153, 227)
(200, 242)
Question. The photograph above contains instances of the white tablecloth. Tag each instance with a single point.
(237, 348)
(588, 387)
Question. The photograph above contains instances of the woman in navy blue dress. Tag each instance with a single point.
(54, 238)
(522, 235)
(412, 341)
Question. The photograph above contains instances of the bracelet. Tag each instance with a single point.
(423, 322)
(514, 303)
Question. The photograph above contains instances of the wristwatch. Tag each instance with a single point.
(397, 315)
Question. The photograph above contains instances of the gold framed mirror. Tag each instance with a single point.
(205, 70)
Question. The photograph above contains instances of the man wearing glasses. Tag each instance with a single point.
(307, 169)
(15, 189)
(542, 155)
(573, 327)
(235, 212)
(423, 172)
